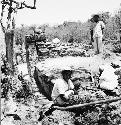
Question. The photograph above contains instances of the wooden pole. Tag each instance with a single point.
(120, 34)
(28, 62)
(88, 104)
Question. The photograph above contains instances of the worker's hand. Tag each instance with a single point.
(68, 93)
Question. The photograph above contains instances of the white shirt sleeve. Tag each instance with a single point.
(102, 24)
(71, 85)
(62, 87)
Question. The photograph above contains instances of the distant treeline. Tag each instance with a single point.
(74, 31)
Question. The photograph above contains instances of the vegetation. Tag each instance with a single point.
(80, 32)
(75, 36)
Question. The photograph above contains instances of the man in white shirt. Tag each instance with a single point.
(108, 79)
(63, 87)
(98, 34)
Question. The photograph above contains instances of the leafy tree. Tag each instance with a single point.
(11, 6)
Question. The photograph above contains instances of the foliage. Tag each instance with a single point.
(76, 32)
(117, 47)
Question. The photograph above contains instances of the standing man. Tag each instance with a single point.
(98, 34)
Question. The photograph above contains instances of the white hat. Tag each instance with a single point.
(66, 68)
(38, 30)
(56, 40)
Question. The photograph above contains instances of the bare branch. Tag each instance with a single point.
(5, 2)
(3, 28)
(29, 6)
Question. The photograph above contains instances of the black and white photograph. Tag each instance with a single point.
(60, 62)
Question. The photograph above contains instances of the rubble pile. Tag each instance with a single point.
(49, 49)
(57, 117)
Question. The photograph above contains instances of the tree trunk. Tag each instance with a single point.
(120, 34)
(9, 39)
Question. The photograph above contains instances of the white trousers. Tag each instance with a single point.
(98, 45)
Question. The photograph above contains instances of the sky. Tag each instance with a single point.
(55, 12)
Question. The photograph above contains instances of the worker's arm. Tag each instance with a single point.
(66, 95)
(62, 96)
(102, 27)
(102, 30)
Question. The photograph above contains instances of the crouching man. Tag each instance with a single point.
(108, 80)
(63, 87)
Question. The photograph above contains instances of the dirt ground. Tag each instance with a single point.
(27, 112)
